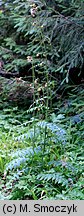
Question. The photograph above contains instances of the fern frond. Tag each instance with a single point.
(20, 157)
(51, 175)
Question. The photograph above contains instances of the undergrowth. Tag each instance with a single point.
(42, 159)
(41, 114)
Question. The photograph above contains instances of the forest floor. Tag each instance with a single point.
(32, 157)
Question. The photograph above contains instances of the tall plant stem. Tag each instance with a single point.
(33, 77)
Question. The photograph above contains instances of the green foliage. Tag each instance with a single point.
(41, 141)
(36, 162)
(53, 37)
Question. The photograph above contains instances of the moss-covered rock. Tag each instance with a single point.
(16, 92)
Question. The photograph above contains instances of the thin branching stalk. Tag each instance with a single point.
(33, 79)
